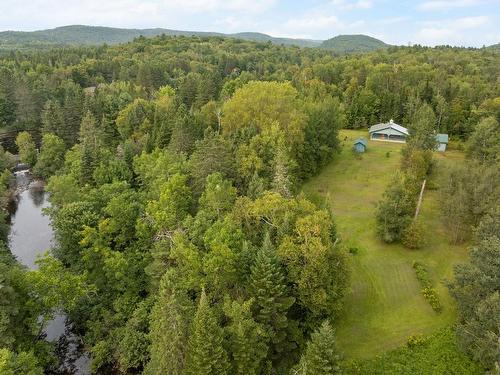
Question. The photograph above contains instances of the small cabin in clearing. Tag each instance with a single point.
(360, 145)
(389, 132)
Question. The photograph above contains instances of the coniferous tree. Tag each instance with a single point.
(109, 132)
(246, 338)
(90, 142)
(476, 290)
(212, 154)
(27, 111)
(281, 181)
(52, 118)
(73, 112)
(256, 186)
(165, 112)
(87, 166)
(206, 355)
(321, 356)
(183, 135)
(169, 328)
(268, 288)
(7, 99)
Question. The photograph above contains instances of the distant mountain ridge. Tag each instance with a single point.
(96, 35)
(495, 47)
(345, 44)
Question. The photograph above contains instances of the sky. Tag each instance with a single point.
(427, 22)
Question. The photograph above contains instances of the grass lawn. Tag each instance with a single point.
(385, 305)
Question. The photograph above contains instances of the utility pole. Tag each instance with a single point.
(419, 200)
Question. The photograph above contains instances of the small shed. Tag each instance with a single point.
(360, 144)
(389, 132)
(442, 142)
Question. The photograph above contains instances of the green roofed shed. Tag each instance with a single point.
(442, 141)
(360, 144)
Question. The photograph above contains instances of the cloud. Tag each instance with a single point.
(317, 26)
(184, 14)
(349, 4)
(435, 5)
(236, 24)
(391, 20)
(456, 31)
(311, 23)
(459, 24)
(199, 6)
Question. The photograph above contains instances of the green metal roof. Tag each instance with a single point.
(391, 124)
(442, 138)
(361, 140)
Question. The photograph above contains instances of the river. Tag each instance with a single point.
(31, 235)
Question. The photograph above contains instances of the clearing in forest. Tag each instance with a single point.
(385, 305)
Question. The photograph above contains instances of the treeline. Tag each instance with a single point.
(471, 211)
(460, 85)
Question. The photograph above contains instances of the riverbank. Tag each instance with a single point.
(30, 236)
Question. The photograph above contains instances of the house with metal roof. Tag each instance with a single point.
(360, 145)
(389, 132)
(442, 142)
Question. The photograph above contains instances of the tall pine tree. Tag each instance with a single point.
(90, 140)
(281, 181)
(206, 355)
(246, 338)
(53, 119)
(321, 356)
(169, 327)
(268, 288)
(73, 112)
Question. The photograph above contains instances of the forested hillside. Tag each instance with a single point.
(95, 35)
(348, 44)
(174, 166)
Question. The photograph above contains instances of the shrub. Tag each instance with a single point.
(415, 340)
(436, 354)
(354, 250)
(431, 296)
(413, 235)
(431, 185)
(428, 291)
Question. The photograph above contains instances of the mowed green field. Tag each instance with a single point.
(385, 304)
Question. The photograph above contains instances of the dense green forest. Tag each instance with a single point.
(184, 245)
(345, 44)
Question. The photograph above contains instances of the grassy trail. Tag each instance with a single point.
(385, 304)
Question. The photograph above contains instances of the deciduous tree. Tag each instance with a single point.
(27, 148)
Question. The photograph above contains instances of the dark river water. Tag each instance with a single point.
(31, 235)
